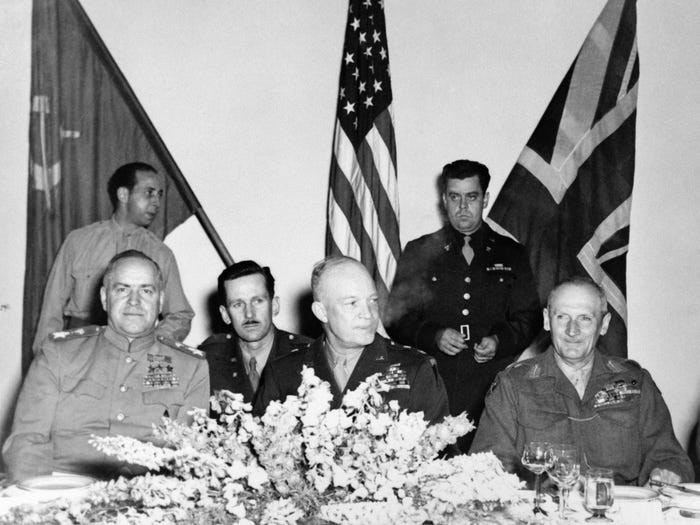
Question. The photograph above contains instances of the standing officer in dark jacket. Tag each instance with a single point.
(346, 303)
(465, 294)
(248, 304)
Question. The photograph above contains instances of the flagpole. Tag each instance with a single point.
(153, 136)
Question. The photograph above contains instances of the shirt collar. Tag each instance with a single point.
(335, 358)
(261, 357)
(477, 237)
(136, 345)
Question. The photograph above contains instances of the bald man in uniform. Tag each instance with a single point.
(346, 303)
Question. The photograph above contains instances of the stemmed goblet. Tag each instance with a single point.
(537, 459)
(564, 471)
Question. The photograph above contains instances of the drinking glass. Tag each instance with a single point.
(598, 493)
(537, 459)
(564, 471)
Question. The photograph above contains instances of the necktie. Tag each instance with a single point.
(253, 374)
(467, 250)
(341, 373)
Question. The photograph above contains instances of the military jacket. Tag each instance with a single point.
(435, 288)
(416, 384)
(72, 289)
(621, 423)
(227, 369)
(92, 381)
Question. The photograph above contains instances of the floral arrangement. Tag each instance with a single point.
(301, 462)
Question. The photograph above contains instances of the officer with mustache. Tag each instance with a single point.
(247, 303)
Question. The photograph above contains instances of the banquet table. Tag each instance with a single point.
(626, 511)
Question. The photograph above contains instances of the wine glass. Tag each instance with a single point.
(564, 471)
(537, 458)
(598, 493)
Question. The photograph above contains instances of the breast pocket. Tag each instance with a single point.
(166, 402)
(542, 422)
(616, 425)
(82, 404)
(86, 282)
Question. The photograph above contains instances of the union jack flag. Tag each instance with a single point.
(569, 196)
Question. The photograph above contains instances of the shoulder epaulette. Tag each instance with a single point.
(399, 346)
(216, 339)
(182, 347)
(531, 369)
(298, 341)
(621, 365)
(75, 333)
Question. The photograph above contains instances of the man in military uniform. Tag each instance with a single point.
(345, 301)
(607, 406)
(105, 381)
(465, 294)
(248, 304)
(71, 296)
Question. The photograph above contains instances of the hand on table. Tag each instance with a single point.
(663, 475)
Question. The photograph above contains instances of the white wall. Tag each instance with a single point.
(243, 93)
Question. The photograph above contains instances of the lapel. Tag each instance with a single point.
(599, 376)
(275, 349)
(316, 358)
(561, 384)
(374, 359)
(240, 374)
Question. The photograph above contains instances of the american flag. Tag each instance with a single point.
(363, 202)
(569, 196)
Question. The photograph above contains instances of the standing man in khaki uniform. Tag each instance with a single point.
(105, 381)
(71, 296)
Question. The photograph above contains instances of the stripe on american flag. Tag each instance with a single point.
(363, 204)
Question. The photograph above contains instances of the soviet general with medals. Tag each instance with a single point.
(572, 393)
(105, 381)
(346, 303)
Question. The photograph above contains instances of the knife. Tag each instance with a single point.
(680, 488)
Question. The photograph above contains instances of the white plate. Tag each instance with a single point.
(630, 493)
(56, 486)
(683, 500)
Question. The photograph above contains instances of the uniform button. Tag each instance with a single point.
(467, 279)
(129, 359)
(228, 336)
(123, 388)
(467, 296)
(120, 417)
(465, 312)
(433, 278)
